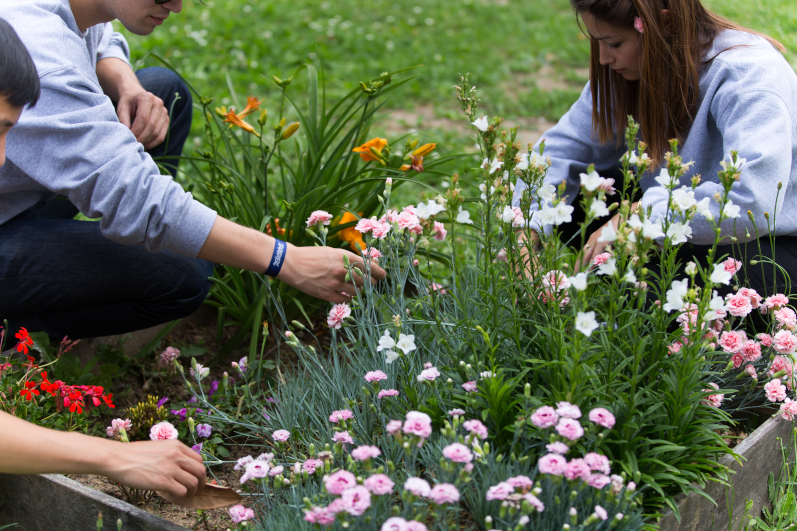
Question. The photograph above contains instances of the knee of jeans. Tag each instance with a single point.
(195, 285)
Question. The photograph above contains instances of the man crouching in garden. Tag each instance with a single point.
(87, 146)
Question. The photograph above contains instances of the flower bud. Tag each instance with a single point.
(290, 131)
(191, 424)
(263, 117)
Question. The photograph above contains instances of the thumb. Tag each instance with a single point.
(125, 112)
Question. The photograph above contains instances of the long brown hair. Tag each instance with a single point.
(664, 100)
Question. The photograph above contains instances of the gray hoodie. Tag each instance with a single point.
(748, 103)
(72, 143)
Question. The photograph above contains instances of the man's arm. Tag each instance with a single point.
(169, 467)
(141, 111)
(317, 271)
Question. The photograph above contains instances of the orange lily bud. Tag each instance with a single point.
(235, 120)
(290, 131)
(263, 117)
(405, 167)
(424, 150)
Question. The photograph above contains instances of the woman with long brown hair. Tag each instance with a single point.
(684, 73)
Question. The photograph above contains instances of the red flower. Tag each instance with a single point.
(75, 403)
(25, 340)
(108, 399)
(31, 364)
(29, 391)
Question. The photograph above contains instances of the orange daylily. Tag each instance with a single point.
(237, 121)
(252, 105)
(365, 152)
(424, 150)
(350, 234)
(417, 164)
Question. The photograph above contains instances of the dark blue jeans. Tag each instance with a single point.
(64, 277)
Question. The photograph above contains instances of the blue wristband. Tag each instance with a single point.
(277, 259)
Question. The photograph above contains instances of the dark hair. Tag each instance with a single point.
(19, 80)
(664, 100)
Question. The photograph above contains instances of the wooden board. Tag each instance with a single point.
(761, 454)
(53, 502)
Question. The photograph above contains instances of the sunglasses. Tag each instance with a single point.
(161, 2)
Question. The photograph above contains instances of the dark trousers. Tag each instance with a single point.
(64, 277)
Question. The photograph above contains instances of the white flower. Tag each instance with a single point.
(385, 341)
(720, 275)
(675, 296)
(429, 209)
(664, 179)
(633, 159)
(730, 163)
(562, 213)
(679, 233)
(598, 209)
(704, 209)
(547, 193)
(508, 214)
(684, 198)
(523, 165)
(691, 268)
(483, 188)
(586, 323)
(630, 276)
(579, 281)
(464, 217)
(391, 356)
(652, 230)
(406, 343)
(608, 268)
(716, 308)
(591, 181)
(730, 210)
(608, 234)
(494, 165)
(481, 124)
(487, 374)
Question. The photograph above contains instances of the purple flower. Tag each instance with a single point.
(162, 401)
(214, 386)
(265, 415)
(181, 412)
(193, 400)
(203, 430)
(197, 448)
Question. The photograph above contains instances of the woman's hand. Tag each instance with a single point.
(528, 258)
(594, 247)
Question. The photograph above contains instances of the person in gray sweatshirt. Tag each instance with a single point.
(684, 73)
(148, 259)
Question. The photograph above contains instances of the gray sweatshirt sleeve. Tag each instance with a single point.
(113, 44)
(571, 148)
(83, 152)
(758, 124)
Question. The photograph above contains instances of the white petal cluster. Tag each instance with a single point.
(675, 296)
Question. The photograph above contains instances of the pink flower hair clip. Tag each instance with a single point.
(639, 25)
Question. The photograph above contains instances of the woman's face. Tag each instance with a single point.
(620, 48)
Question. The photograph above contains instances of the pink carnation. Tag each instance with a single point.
(380, 230)
(600, 512)
(356, 500)
(555, 279)
(714, 400)
(342, 414)
(785, 342)
(776, 392)
(319, 216)
(470, 387)
(458, 453)
(393, 426)
(281, 435)
(311, 465)
(339, 482)
(418, 423)
(569, 429)
(788, 409)
(732, 341)
(168, 356)
(365, 452)
(568, 410)
(577, 469)
(413, 525)
(375, 376)
(431, 374)
(598, 481)
(598, 463)
(387, 392)
(417, 486)
(239, 513)
(521, 482)
(276, 471)
(553, 464)
(765, 339)
(786, 318)
(456, 412)
(534, 502)
(545, 417)
(500, 491)
(373, 253)
(750, 370)
(601, 259)
(476, 427)
(751, 350)
(732, 266)
(738, 305)
(379, 484)
(116, 427)
(408, 221)
(737, 360)
(343, 437)
(320, 516)
(444, 493)
(755, 298)
(365, 225)
(337, 314)
(775, 302)
(162, 431)
(602, 417)
(557, 448)
(779, 363)
(439, 231)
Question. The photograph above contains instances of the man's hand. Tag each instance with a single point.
(319, 271)
(141, 111)
(169, 467)
(145, 115)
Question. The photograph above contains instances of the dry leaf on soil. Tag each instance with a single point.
(208, 497)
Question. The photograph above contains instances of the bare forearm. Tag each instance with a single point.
(237, 246)
(116, 77)
(29, 449)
